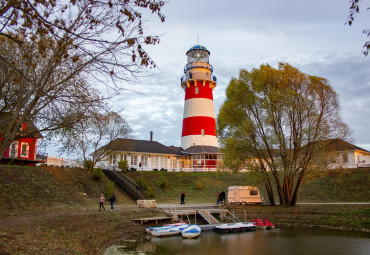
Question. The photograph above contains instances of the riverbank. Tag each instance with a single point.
(55, 210)
(91, 232)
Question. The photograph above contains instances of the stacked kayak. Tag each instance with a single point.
(171, 231)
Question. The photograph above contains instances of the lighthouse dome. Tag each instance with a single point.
(198, 47)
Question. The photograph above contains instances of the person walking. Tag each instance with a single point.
(218, 197)
(101, 202)
(112, 199)
(182, 198)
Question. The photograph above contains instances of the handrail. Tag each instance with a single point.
(129, 186)
(198, 64)
(201, 76)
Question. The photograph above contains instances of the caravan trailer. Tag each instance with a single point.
(244, 195)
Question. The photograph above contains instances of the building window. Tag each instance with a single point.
(345, 157)
(144, 160)
(154, 161)
(133, 160)
(163, 162)
(253, 192)
(202, 131)
(13, 150)
(196, 90)
(24, 150)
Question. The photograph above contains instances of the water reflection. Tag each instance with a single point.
(268, 242)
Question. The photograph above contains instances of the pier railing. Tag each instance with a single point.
(128, 185)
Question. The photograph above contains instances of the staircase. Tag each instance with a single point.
(128, 185)
(208, 217)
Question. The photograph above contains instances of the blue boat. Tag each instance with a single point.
(191, 231)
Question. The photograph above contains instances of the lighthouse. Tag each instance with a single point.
(199, 123)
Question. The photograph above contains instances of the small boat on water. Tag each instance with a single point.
(166, 226)
(191, 231)
(169, 231)
(235, 227)
(265, 224)
(247, 226)
(227, 228)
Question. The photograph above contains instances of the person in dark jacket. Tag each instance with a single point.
(112, 199)
(223, 197)
(182, 198)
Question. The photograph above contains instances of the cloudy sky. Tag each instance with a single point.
(310, 35)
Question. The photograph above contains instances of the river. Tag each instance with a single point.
(285, 241)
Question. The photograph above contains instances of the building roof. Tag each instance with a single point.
(132, 145)
(341, 145)
(198, 47)
(176, 149)
(31, 129)
(201, 149)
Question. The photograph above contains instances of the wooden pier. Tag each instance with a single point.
(149, 219)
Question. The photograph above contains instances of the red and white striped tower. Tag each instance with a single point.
(199, 124)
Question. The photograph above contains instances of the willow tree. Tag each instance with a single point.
(272, 119)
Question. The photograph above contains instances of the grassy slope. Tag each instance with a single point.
(32, 189)
(350, 185)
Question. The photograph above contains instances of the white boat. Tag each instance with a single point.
(243, 227)
(235, 227)
(191, 231)
(170, 232)
(166, 226)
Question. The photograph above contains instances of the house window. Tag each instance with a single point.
(24, 150)
(202, 131)
(345, 157)
(163, 162)
(196, 90)
(13, 150)
(154, 161)
(134, 160)
(144, 160)
(114, 158)
(173, 163)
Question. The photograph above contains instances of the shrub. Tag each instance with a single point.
(123, 165)
(163, 183)
(141, 183)
(163, 170)
(133, 169)
(155, 169)
(97, 174)
(150, 192)
(109, 188)
(199, 185)
(88, 165)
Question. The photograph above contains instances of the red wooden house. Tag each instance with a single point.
(23, 150)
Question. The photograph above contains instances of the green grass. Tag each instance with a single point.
(28, 189)
(344, 185)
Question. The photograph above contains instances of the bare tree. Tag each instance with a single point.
(54, 50)
(275, 118)
(86, 138)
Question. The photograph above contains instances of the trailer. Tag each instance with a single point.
(244, 195)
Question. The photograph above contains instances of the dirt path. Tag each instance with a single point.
(12, 221)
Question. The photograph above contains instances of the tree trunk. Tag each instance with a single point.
(293, 201)
(270, 192)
